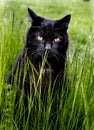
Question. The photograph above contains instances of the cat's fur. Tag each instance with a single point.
(35, 48)
(44, 36)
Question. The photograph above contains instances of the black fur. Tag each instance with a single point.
(44, 36)
(35, 49)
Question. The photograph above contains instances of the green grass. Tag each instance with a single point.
(77, 113)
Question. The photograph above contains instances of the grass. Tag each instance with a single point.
(78, 110)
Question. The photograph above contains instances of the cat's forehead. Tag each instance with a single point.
(48, 27)
(48, 23)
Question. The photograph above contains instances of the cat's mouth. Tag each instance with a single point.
(54, 55)
(47, 52)
(49, 55)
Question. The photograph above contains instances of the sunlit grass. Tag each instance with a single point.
(77, 95)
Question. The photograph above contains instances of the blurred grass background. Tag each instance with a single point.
(80, 64)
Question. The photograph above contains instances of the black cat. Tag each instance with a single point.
(44, 36)
(45, 39)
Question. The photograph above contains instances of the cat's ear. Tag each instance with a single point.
(32, 14)
(64, 22)
(34, 18)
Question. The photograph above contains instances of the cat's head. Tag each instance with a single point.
(47, 35)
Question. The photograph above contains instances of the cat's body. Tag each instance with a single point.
(45, 38)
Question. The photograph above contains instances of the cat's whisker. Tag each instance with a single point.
(56, 57)
(61, 56)
(33, 55)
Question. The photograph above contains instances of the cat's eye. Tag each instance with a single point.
(39, 38)
(56, 40)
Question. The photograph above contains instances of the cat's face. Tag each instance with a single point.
(47, 35)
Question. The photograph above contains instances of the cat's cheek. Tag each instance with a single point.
(40, 48)
(34, 44)
(55, 46)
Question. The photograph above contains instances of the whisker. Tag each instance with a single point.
(34, 54)
(59, 57)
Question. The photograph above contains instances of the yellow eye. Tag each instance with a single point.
(39, 38)
(56, 40)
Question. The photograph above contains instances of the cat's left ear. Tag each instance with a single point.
(64, 22)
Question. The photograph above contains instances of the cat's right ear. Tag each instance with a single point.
(32, 14)
(34, 18)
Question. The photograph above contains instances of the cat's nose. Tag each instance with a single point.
(48, 46)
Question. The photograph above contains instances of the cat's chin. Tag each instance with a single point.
(46, 75)
(47, 71)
